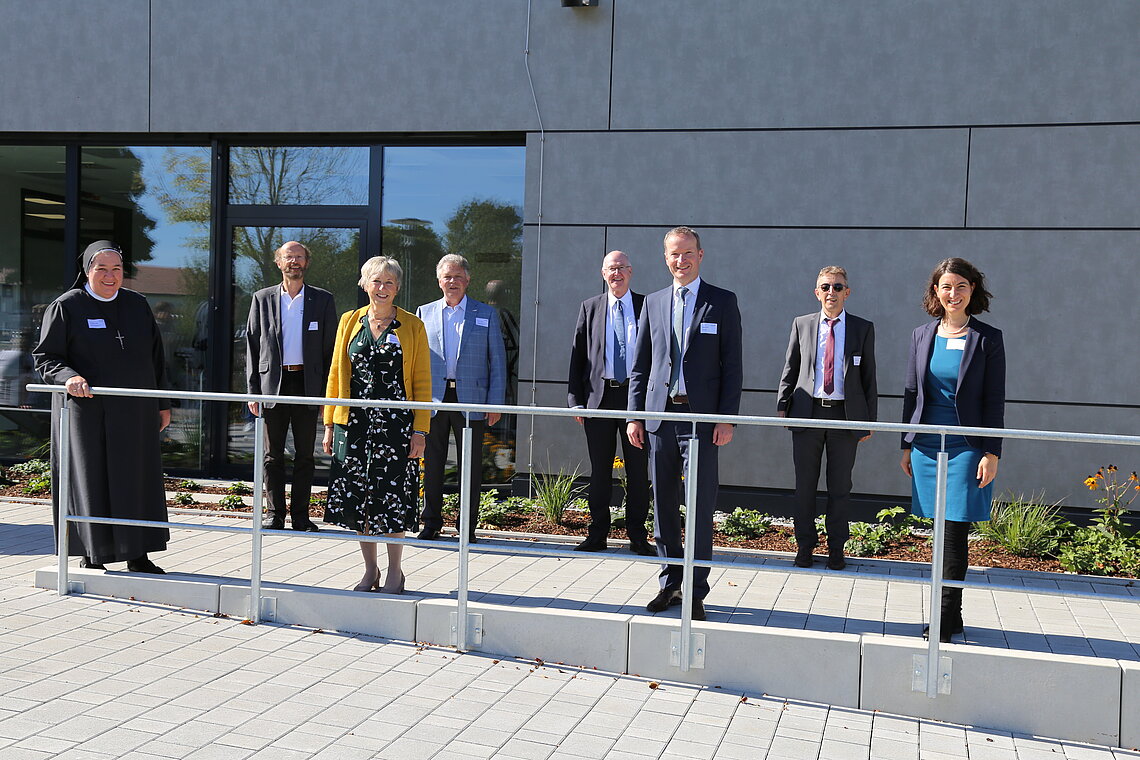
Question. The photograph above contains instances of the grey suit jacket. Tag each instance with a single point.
(713, 361)
(263, 340)
(588, 354)
(860, 385)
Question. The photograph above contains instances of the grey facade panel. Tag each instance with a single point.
(76, 66)
(878, 178)
(725, 64)
(1055, 177)
(364, 66)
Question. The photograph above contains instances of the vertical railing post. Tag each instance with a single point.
(938, 549)
(690, 549)
(258, 495)
(63, 489)
(464, 524)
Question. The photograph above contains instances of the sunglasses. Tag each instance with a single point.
(838, 287)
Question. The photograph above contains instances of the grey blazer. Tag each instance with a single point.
(263, 340)
(860, 385)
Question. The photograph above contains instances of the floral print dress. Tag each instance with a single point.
(373, 485)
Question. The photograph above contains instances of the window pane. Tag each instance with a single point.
(155, 202)
(310, 176)
(334, 266)
(465, 200)
(32, 266)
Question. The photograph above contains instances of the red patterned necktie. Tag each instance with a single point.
(829, 358)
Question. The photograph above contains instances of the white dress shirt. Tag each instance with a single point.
(840, 329)
(453, 334)
(292, 326)
(630, 332)
(690, 307)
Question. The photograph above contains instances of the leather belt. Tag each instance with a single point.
(451, 383)
(293, 367)
(828, 403)
(610, 382)
(678, 399)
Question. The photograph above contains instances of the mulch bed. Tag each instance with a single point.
(911, 549)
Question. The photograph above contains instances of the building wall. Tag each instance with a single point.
(882, 135)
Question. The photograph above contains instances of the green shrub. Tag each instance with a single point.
(31, 468)
(554, 493)
(869, 539)
(182, 499)
(239, 488)
(1025, 527)
(1092, 551)
(38, 484)
(450, 508)
(746, 523)
(492, 512)
(232, 501)
(188, 485)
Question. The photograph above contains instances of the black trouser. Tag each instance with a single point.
(303, 420)
(601, 440)
(444, 425)
(955, 561)
(808, 448)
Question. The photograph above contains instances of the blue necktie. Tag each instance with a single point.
(619, 344)
(678, 340)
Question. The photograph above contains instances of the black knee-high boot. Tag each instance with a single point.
(955, 560)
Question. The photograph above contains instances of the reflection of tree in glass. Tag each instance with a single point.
(414, 244)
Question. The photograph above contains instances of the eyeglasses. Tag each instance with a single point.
(615, 270)
(838, 287)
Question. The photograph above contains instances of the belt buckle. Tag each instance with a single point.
(614, 383)
(679, 399)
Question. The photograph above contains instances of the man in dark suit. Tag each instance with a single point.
(600, 361)
(468, 366)
(829, 373)
(288, 350)
(688, 358)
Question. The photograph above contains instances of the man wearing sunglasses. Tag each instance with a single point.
(829, 373)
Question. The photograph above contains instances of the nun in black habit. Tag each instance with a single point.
(101, 334)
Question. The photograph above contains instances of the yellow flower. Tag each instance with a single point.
(619, 462)
(1091, 483)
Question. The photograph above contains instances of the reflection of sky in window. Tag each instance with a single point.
(171, 247)
(430, 183)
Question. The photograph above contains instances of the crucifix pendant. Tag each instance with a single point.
(119, 337)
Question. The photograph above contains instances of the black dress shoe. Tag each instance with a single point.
(836, 561)
(144, 565)
(698, 609)
(643, 547)
(89, 565)
(949, 629)
(804, 557)
(665, 599)
(306, 527)
(428, 534)
(592, 544)
(274, 523)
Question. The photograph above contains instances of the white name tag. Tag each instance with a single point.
(708, 328)
(956, 344)
(481, 322)
(96, 324)
(856, 360)
(394, 338)
(313, 326)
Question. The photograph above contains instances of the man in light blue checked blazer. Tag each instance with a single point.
(468, 366)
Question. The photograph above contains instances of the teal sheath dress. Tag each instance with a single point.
(965, 502)
(373, 485)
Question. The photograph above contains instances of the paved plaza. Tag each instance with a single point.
(93, 677)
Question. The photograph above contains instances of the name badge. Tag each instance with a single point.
(708, 328)
(956, 344)
(481, 322)
(313, 326)
(96, 324)
(393, 338)
(856, 360)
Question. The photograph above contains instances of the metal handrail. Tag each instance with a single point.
(688, 562)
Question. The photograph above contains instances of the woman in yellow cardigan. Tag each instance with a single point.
(381, 353)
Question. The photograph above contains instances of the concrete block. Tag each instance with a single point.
(818, 667)
(1129, 704)
(393, 617)
(574, 637)
(1060, 696)
(193, 592)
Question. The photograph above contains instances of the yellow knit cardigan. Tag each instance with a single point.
(417, 365)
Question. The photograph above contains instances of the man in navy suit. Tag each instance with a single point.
(468, 366)
(288, 350)
(688, 358)
(829, 373)
(600, 361)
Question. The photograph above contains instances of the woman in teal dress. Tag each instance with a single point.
(381, 353)
(955, 376)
